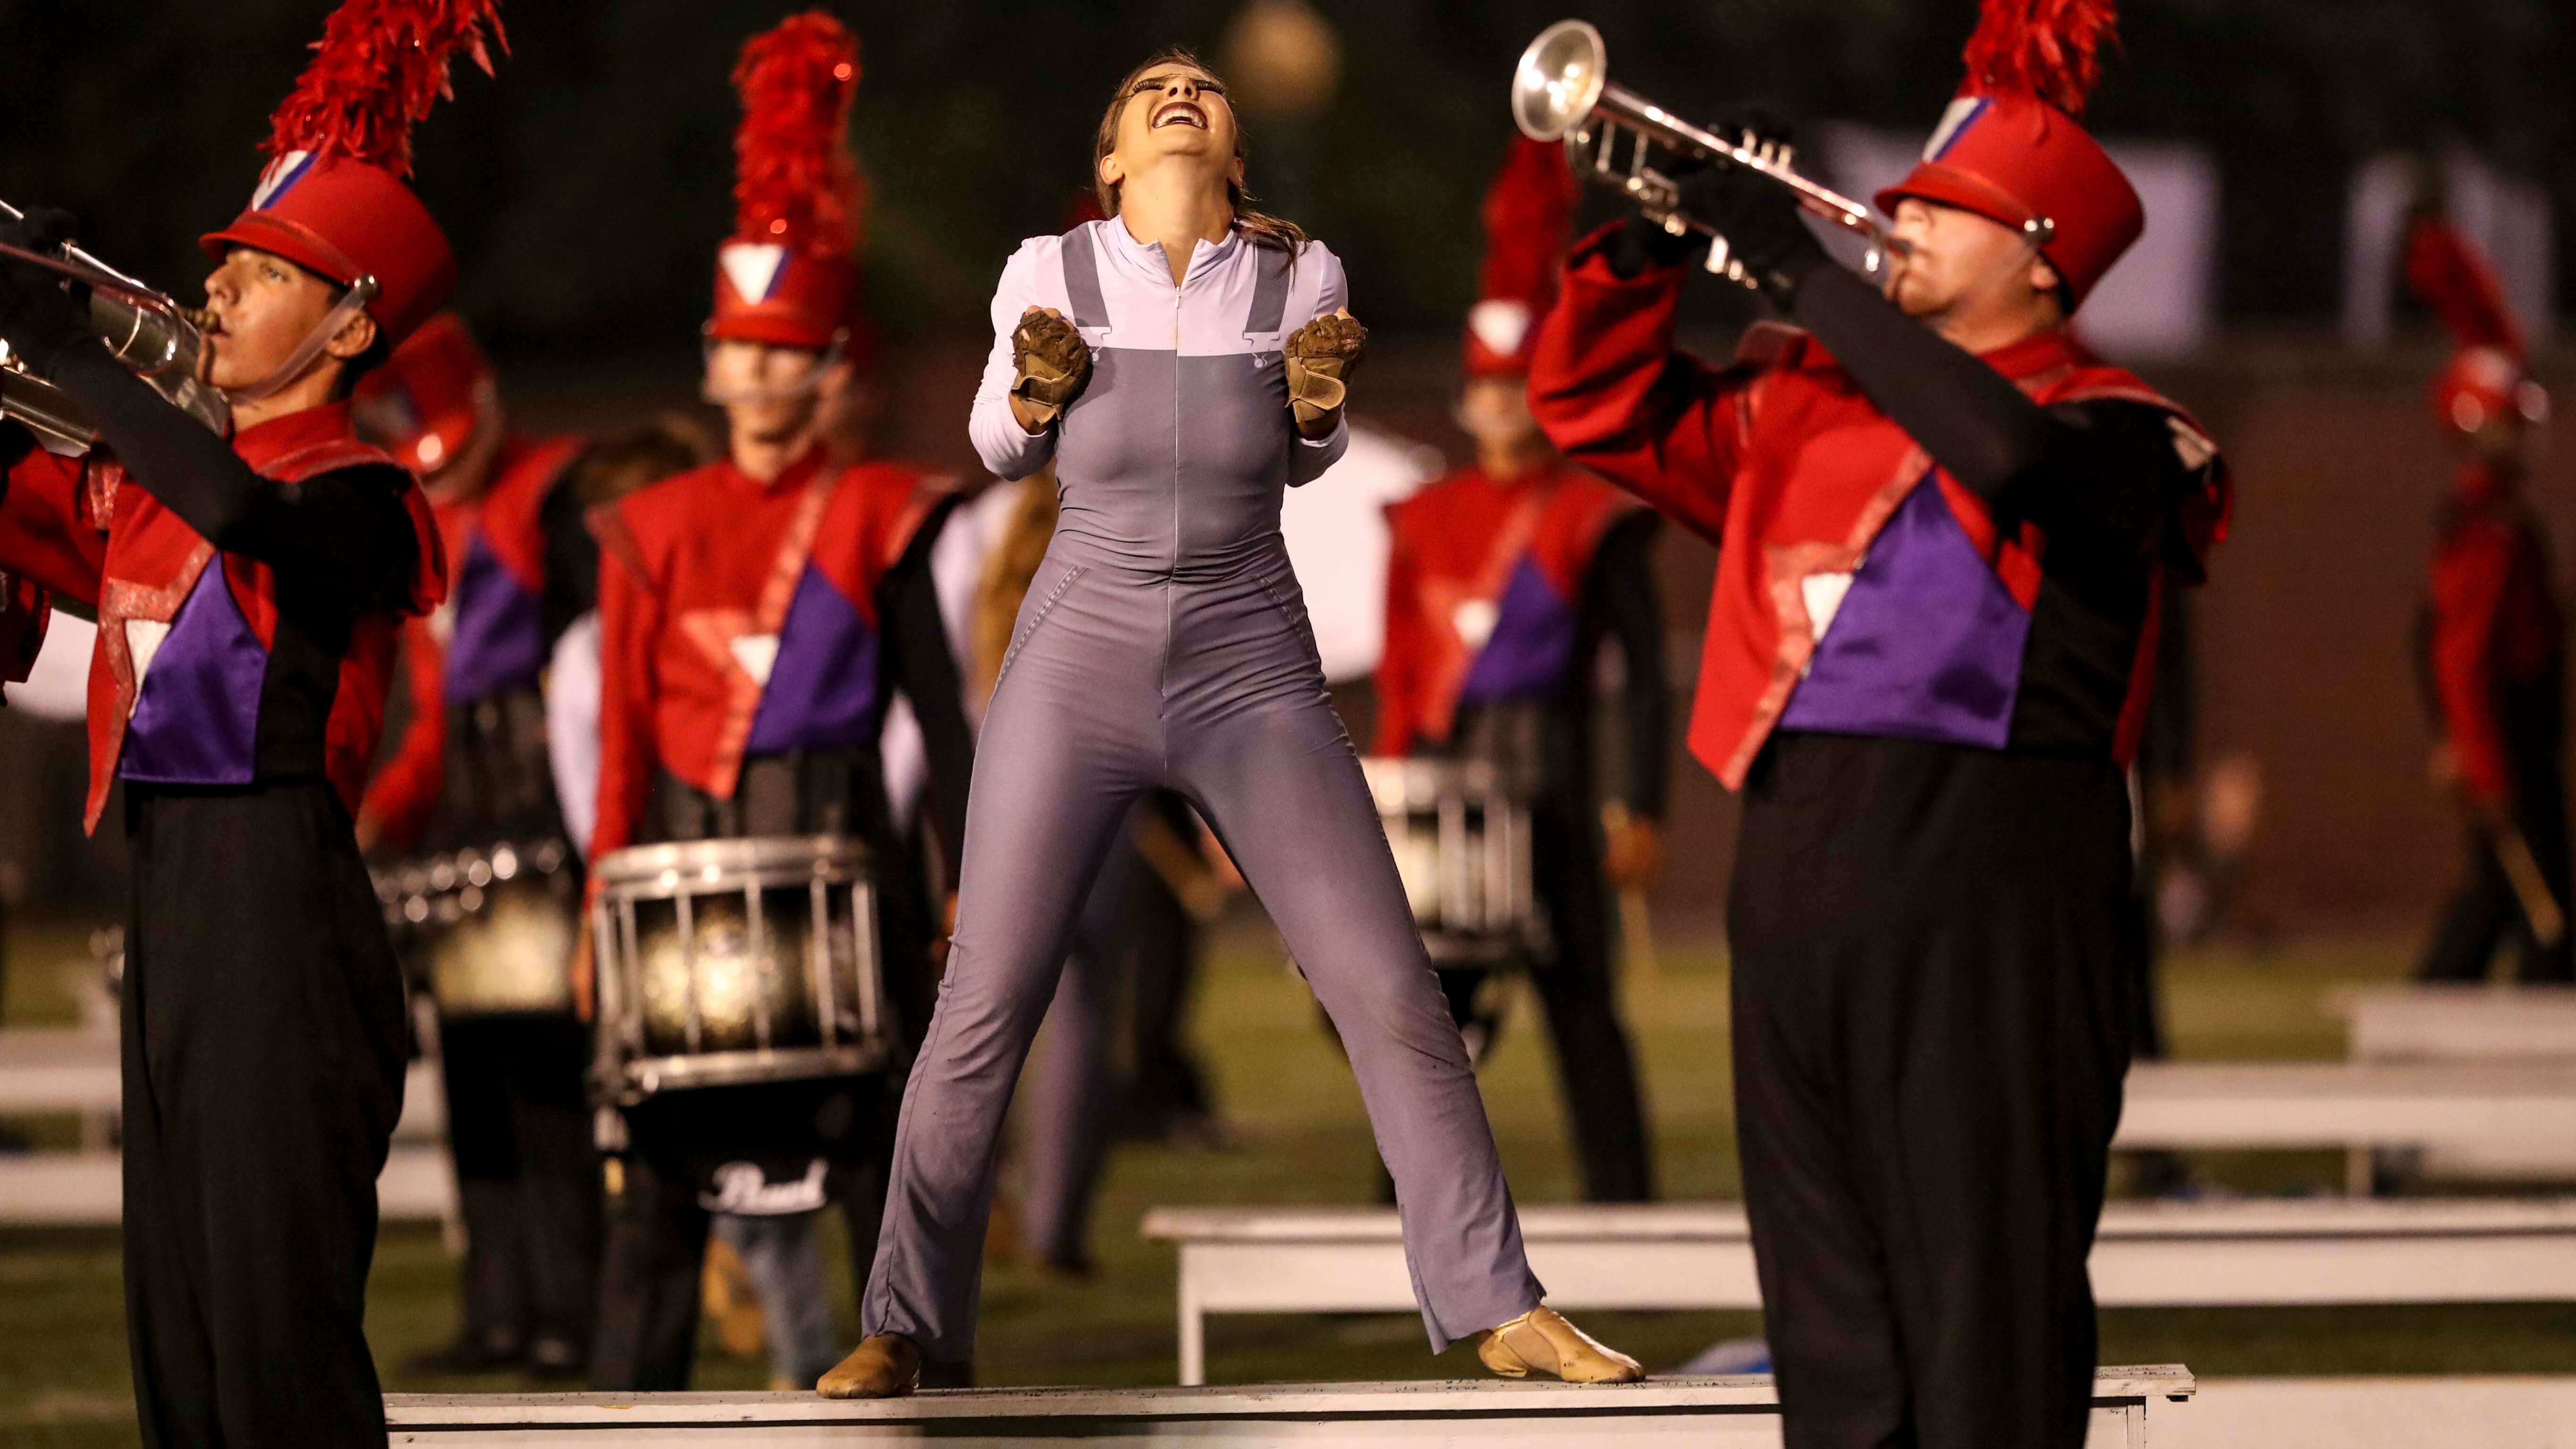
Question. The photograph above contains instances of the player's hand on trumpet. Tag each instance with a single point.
(1053, 365)
(1322, 355)
(40, 317)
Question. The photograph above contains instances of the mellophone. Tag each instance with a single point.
(487, 931)
(724, 962)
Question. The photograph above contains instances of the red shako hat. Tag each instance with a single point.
(332, 199)
(2009, 148)
(1527, 213)
(2485, 377)
(789, 276)
(424, 404)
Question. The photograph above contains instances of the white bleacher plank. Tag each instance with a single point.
(2458, 1023)
(2213, 1105)
(1736, 1413)
(1697, 1256)
(46, 1070)
(60, 1189)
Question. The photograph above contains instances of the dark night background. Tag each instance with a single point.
(585, 186)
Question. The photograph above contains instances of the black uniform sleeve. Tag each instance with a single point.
(345, 531)
(1620, 592)
(572, 558)
(2104, 472)
(926, 670)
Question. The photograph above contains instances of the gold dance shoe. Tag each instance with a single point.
(1541, 1339)
(885, 1366)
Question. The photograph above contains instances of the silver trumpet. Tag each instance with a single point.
(143, 328)
(1562, 91)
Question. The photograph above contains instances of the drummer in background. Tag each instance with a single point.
(1504, 581)
(773, 566)
(471, 771)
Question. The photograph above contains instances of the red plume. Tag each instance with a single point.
(378, 68)
(2046, 48)
(2459, 286)
(1526, 216)
(795, 180)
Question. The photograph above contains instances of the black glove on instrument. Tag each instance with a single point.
(1642, 243)
(1760, 220)
(41, 317)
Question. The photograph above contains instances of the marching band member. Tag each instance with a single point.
(1942, 531)
(2493, 642)
(755, 614)
(471, 770)
(1181, 362)
(248, 594)
(1504, 580)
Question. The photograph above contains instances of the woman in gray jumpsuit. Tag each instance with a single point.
(1181, 363)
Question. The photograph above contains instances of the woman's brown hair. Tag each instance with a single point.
(1275, 232)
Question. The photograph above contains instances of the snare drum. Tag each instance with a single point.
(1462, 846)
(487, 932)
(723, 962)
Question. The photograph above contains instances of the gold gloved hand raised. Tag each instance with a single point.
(1322, 355)
(1053, 362)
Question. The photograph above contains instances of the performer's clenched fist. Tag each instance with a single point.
(1321, 357)
(1053, 365)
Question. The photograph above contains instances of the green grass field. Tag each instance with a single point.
(1300, 1138)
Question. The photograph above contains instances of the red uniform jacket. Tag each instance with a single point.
(25, 609)
(81, 528)
(1785, 464)
(1465, 555)
(712, 585)
(498, 549)
(2491, 622)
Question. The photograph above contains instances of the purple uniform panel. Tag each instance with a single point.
(500, 636)
(1532, 643)
(196, 718)
(823, 689)
(1927, 644)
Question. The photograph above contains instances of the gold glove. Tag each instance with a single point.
(1053, 363)
(1321, 357)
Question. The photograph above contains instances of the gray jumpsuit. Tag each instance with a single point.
(1164, 641)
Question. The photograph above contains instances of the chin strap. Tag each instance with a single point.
(755, 395)
(342, 313)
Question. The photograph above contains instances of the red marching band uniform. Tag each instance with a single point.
(1500, 593)
(237, 690)
(471, 771)
(752, 632)
(1926, 692)
(2493, 639)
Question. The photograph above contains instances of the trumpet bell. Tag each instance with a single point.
(1559, 80)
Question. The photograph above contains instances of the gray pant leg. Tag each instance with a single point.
(1058, 762)
(1070, 1096)
(1281, 785)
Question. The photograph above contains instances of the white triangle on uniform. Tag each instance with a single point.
(143, 640)
(752, 267)
(1475, 620)
(1823, 594)
(757, 654)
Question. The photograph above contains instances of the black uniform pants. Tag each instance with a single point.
(264, 1041)
(647, 1339)
(1578, 986)
(527, 1177)
(2486, 912)
(1931, 998)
